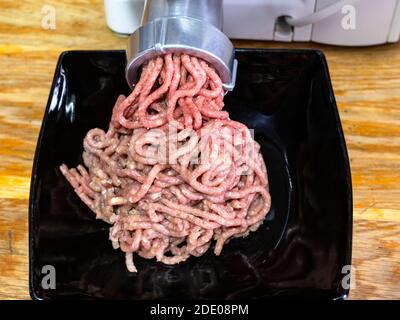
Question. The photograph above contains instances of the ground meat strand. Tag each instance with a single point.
(173, 172)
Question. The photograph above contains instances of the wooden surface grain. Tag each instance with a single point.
(367, 87)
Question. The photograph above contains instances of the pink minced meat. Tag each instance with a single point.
(170, 174)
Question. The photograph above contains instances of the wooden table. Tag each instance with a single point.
(367, 86)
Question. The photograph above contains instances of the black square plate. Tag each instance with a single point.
(299, 252)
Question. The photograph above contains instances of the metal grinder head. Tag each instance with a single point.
(182, 26)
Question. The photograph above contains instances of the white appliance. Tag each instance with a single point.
(337, 22)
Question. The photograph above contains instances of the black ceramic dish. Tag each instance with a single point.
(299, 252)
